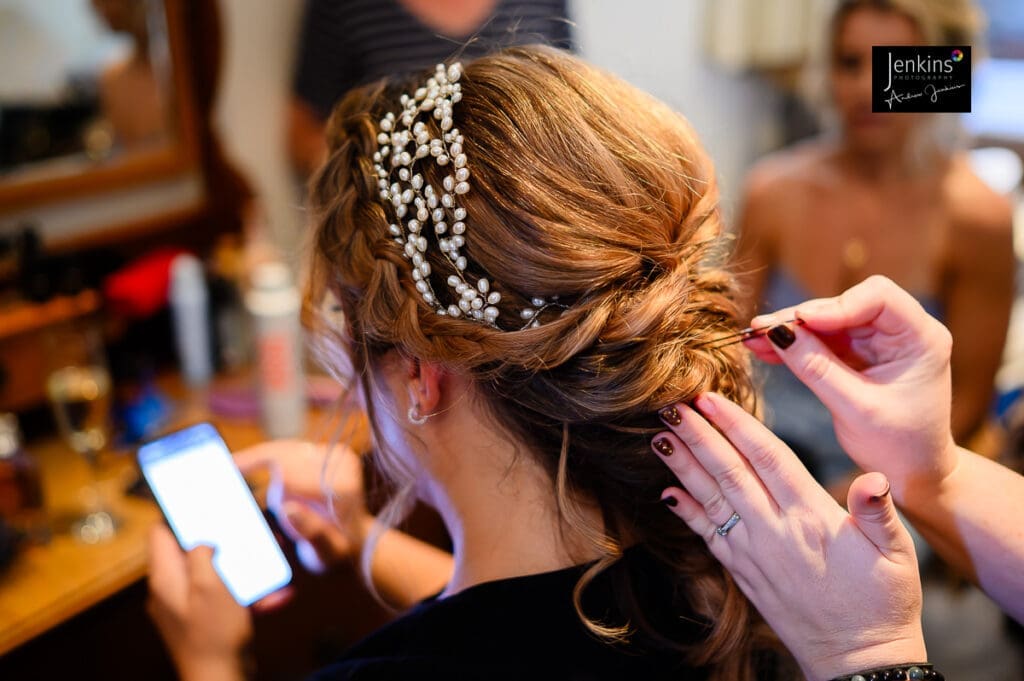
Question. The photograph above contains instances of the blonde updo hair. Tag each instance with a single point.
(587, 189)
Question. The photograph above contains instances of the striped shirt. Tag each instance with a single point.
(345, 43)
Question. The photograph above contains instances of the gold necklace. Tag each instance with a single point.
(855, 253)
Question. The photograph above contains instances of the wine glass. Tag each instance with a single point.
(78, 387)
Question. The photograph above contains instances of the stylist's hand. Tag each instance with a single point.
(204, 628)
(880, 363)
(841, 589)
(303, 474)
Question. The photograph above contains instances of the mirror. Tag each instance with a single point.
(82, 82)
(95, 103)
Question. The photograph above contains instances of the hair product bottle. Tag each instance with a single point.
(273, 302)
(190, 309)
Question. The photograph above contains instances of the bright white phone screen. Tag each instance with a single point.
(206, 502)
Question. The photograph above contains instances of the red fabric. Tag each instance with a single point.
(139, 289)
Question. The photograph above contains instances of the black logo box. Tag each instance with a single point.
(920, 79)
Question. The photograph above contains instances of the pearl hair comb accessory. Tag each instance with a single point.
(417, 205)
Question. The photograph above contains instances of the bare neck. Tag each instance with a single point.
(497, 502)
(890, 166)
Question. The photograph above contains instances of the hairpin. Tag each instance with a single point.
(416, 203)
(744, 335)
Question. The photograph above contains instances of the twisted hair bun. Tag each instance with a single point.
(586, 189)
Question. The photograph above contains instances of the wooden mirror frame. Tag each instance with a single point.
(194, 37)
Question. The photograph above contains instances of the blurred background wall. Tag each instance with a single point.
(658, 45)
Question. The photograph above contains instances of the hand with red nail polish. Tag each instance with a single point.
(841, 588)
(889, 388)
(891, 411)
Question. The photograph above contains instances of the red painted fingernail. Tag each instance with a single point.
(781, 336)
(671, 416)
(663, 446)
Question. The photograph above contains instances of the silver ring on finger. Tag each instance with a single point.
(723, 529)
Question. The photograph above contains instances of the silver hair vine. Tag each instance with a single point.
(417, 204)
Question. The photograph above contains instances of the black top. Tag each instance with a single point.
(345, 43)
(521, 628)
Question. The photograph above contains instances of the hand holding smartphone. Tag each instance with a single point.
(206, 502)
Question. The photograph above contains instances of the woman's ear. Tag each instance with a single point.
(425, 382)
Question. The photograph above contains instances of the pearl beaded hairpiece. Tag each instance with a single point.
(416, 203)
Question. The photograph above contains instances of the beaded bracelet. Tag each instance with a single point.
(903, 672)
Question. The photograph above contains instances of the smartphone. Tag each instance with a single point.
(206, 502)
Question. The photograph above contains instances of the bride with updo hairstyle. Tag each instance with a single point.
(518, 261)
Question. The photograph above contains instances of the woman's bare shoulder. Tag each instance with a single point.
(974, 207)
(795, 169)
(778, 189)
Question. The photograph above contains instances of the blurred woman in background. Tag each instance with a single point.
(888, 196)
